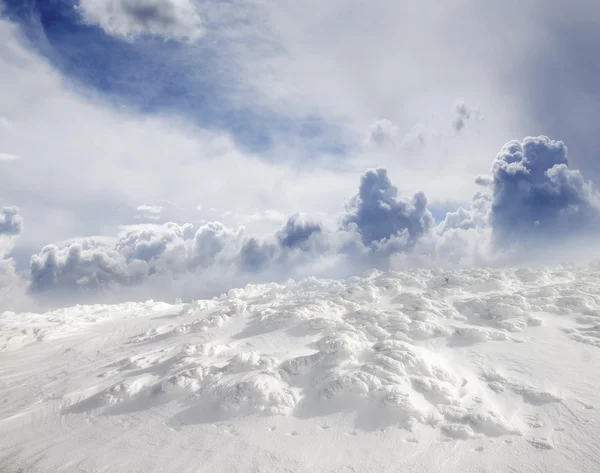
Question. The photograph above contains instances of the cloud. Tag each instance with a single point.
(151, 242)
(416, 138)
(257, 65)
(356, 76)
(8, 157)
(565, 68)
(11, 223)
(296, 232)
(129, 19)
(485, 181)
(385, 135)
(168, 252)
(476, 216)
(382, 132)
(139, 253)
(11, 228)
(255, 255)
(80, 266)
(531, 196)
(377, 213)
(532, 199)
(464, 113)
(12, 288)
(7, 276)
(268, 215)
(213, 239)
(126, 163)
(359, 76)
(536, 197)
(149, 212)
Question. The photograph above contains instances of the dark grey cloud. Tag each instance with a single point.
(256, 255)
(532, 198)
(298, 241)
(536, 196)
(377, 213)
(296, 232)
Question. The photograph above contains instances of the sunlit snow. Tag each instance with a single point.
(442, 371)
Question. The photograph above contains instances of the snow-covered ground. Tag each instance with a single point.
(421, 371)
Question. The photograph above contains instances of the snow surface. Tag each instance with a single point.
(421, 371)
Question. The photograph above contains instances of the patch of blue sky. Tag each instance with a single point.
(154, 75)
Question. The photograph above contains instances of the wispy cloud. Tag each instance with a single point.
(8, 157)
(149, 212)
(129, 19)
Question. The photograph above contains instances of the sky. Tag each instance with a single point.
(179, 148)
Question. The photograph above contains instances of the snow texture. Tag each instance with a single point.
(426, 370)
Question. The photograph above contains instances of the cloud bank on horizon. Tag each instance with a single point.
(532, 199)
(205, 146)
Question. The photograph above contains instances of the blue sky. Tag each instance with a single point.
(200, 131)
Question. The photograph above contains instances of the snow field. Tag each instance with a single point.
(310, 375)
